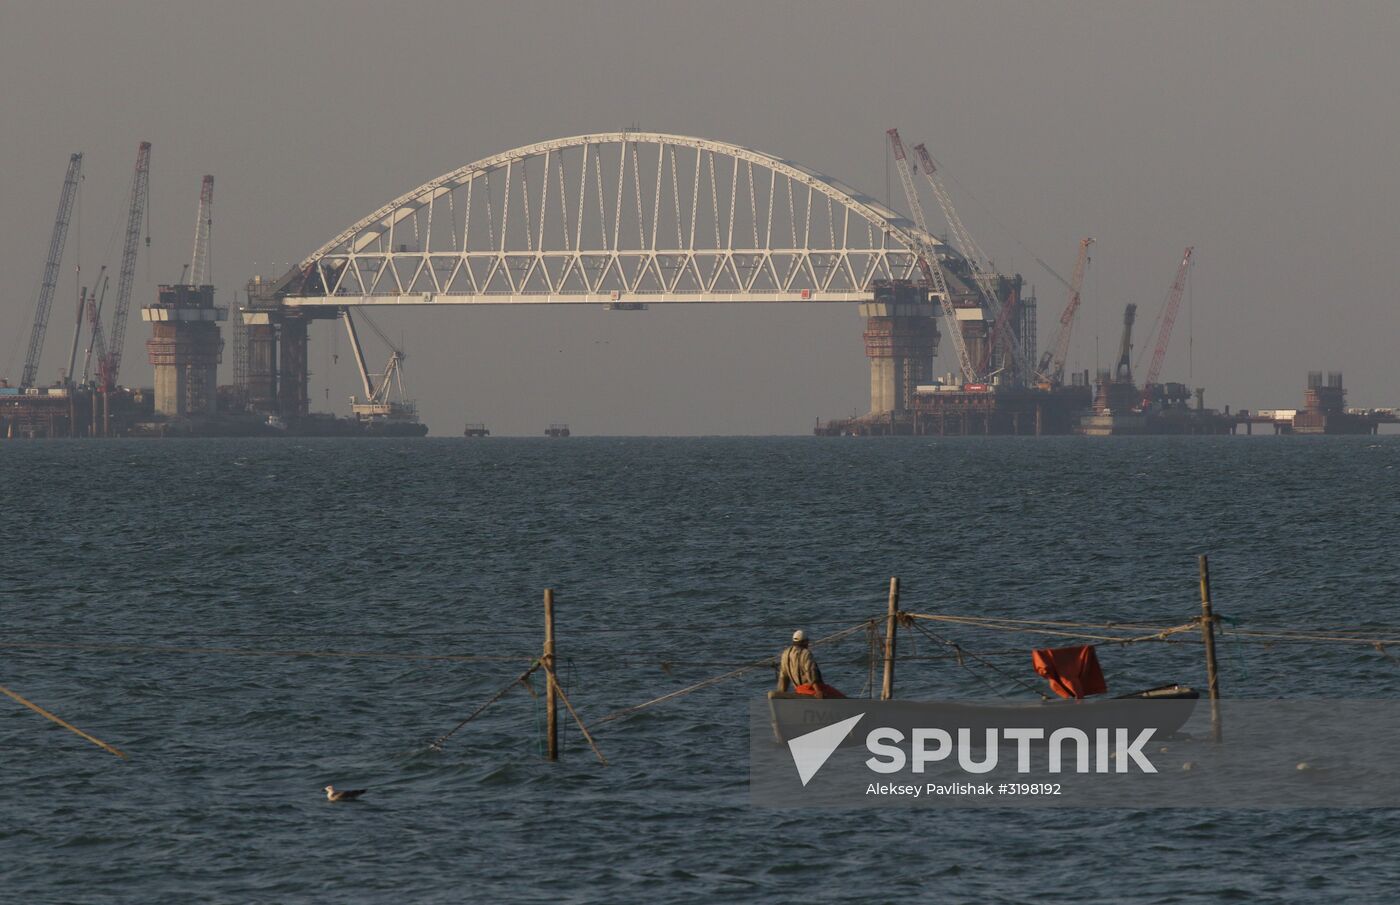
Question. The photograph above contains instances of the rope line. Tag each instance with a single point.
(960, 651)
(518, 680)
(1276, 636)
(249, 652)
(715, 680)
(629, 627)
(1158, 633)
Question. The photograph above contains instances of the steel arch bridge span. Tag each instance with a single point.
(621, 217)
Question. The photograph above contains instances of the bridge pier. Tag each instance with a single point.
(901, 337)
(293, 398)
(262, 366)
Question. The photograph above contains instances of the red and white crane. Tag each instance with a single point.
(929, 264)
(1164, 334)
(49, 283)
(109, 367)
(1052, 363)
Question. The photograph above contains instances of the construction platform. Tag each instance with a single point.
(971, 410)
(49, 413)
(1324, 411)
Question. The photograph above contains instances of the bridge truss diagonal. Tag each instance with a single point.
(624, 217)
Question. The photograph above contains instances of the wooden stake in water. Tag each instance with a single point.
(551, 704)
(887, 691)
(1208, 636)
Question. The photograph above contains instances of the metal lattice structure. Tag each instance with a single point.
(50, 281)
(624, 217)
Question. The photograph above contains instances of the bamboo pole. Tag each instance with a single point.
(887, 691)
(62, 722)
(1208, 636)
(551, 705)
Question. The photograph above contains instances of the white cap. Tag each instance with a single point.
(799, 635)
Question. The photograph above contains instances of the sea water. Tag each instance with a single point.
(673, 560)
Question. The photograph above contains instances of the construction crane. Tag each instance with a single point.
(1164, 333)
(77, 335)
(198, 271)
(110, 365)
(1052, 363)
(983, 275)
(929, 264)
(49, 283)
(97, 344)
(999, 331)
(397, 356)
(1123, 373)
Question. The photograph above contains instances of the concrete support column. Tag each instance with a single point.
(184, 349)
(293, 400)
(262, 366)
(900, 341)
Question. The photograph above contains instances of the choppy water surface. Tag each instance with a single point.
(673, 559)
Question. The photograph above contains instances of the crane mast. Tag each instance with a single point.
(982, 275)
(49, 283)
(111, 366)
(929, 264)
(1164, 335)
(1052, 363)
(1124, 371)
(199, 259)
(96, 343)
(999, 330)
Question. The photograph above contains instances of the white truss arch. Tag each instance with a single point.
(621, 217)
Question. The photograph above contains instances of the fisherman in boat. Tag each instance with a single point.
(798, 668)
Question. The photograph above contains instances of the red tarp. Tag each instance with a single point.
(1073, 671)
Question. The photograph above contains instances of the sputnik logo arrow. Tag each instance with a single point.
(811, 751)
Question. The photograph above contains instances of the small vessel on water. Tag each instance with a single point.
(1073, 673)
(476, 429)
(557, 430)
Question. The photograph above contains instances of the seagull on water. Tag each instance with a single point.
(343, 795)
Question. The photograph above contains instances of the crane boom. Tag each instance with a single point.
(1052, 363)
(1124, 370)
(982, 274)
(49, 283)
(199, 259)
(77, 335)
(97, 344)
(137, 209)
(1000, 334)
(929, 264)
(1164, 335)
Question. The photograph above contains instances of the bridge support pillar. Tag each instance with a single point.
(262, 367)
(901, 337)
(260, 319)
(293, 400)
(185, 349)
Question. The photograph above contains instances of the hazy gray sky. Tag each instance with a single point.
(1264, 133)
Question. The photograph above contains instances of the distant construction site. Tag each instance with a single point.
(624, 221)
